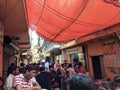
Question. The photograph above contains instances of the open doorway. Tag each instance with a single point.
(97, 62)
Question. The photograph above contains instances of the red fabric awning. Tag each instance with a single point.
(64, 20)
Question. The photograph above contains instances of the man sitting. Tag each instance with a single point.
(26, 80)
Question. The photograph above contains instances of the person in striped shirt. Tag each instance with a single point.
(26, 80)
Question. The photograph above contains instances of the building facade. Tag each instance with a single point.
(101, 52)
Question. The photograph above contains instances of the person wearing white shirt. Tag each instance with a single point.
(14, 70)
(47, 65)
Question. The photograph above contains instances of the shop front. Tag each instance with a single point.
(75, 53)
(104, 57)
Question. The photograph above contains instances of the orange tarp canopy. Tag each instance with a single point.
(64, 20)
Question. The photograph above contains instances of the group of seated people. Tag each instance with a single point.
(26, 80)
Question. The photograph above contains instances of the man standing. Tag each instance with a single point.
(44, 79)
(80, 68)
(25, 80)
(47, 65)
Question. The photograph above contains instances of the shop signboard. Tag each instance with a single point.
(74, 50)
(110, 47)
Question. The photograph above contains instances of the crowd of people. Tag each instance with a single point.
(48, 76)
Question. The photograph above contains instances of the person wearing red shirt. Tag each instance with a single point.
(80, 68)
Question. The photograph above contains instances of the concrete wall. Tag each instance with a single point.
(1, 49)
(8, 59)
(94, 49)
